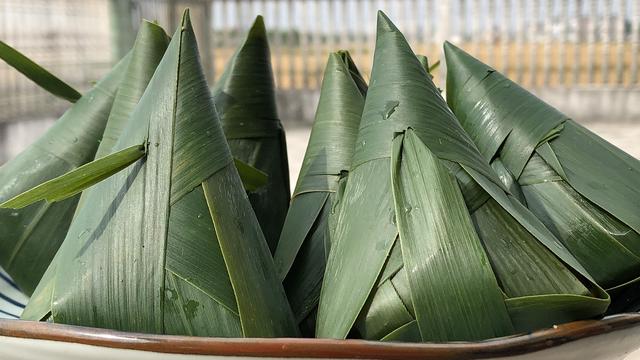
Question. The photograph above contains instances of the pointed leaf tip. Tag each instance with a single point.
(186, 19)
(36, 73)
(458, 57)
(449, 46)
(258, 30)
(460, 67)
(338, 59)
(451, 51)
(384, 23)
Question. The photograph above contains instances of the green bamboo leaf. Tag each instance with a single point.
(551, 276)
(252, 178)
(151, 43)
(424, 61)
(75, 181)
(262, 304)
(455, 294)
(366, 228)
(38, 74)
(301, 253)
(362, 262)
(303, 214)
(507, 178)
(178, 219)
(245, 100)
(304, 279)
(582, 154)
(406, 333)
(584, 189)
(31, 236)
(385, 312)
(599, 242)
(433, 67)
(350, 293)
(518, 142)
(148, 49)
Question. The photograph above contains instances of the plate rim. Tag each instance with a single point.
(319, 348)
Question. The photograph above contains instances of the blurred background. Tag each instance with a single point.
(582, 56)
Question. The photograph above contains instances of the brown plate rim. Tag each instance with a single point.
(319, 348)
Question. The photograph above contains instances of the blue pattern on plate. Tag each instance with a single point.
(12, 300)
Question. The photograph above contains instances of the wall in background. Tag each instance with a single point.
(580, 55)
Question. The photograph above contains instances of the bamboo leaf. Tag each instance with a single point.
(193, 255)
(580, 186)
(302, 249)
(38, 74)
(245, 100)
(455, 294)
(148, 49)
(356, 288)
(352, 267)
(301, 217)
(366, 228)
(180, 314)
(38, 244)
(406, 333)
(584, 157)
(161, 219)
(545, 274)
(31, 236)
(507, 178)
(304, 281)
(519, 141)
(384, 313)
(559, 205)
(433, 67)
(150, 45)
(262, 303)
(552, 299)
(75, 181)
(445, 135)
(252, 178)
(424, 61)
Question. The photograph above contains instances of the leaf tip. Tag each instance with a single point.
(186, 19)
(459, 59)
(384, 23)
(424, 61)
(451, 51)
(257, 32)
(338, 59)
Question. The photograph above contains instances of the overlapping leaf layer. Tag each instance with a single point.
(584, 189)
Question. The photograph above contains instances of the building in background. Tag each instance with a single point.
(580, 55)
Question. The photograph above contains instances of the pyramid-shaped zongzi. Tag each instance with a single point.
(245, 100)
(168, 244)
(584, 189)
(306, 236)
(417, 255)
